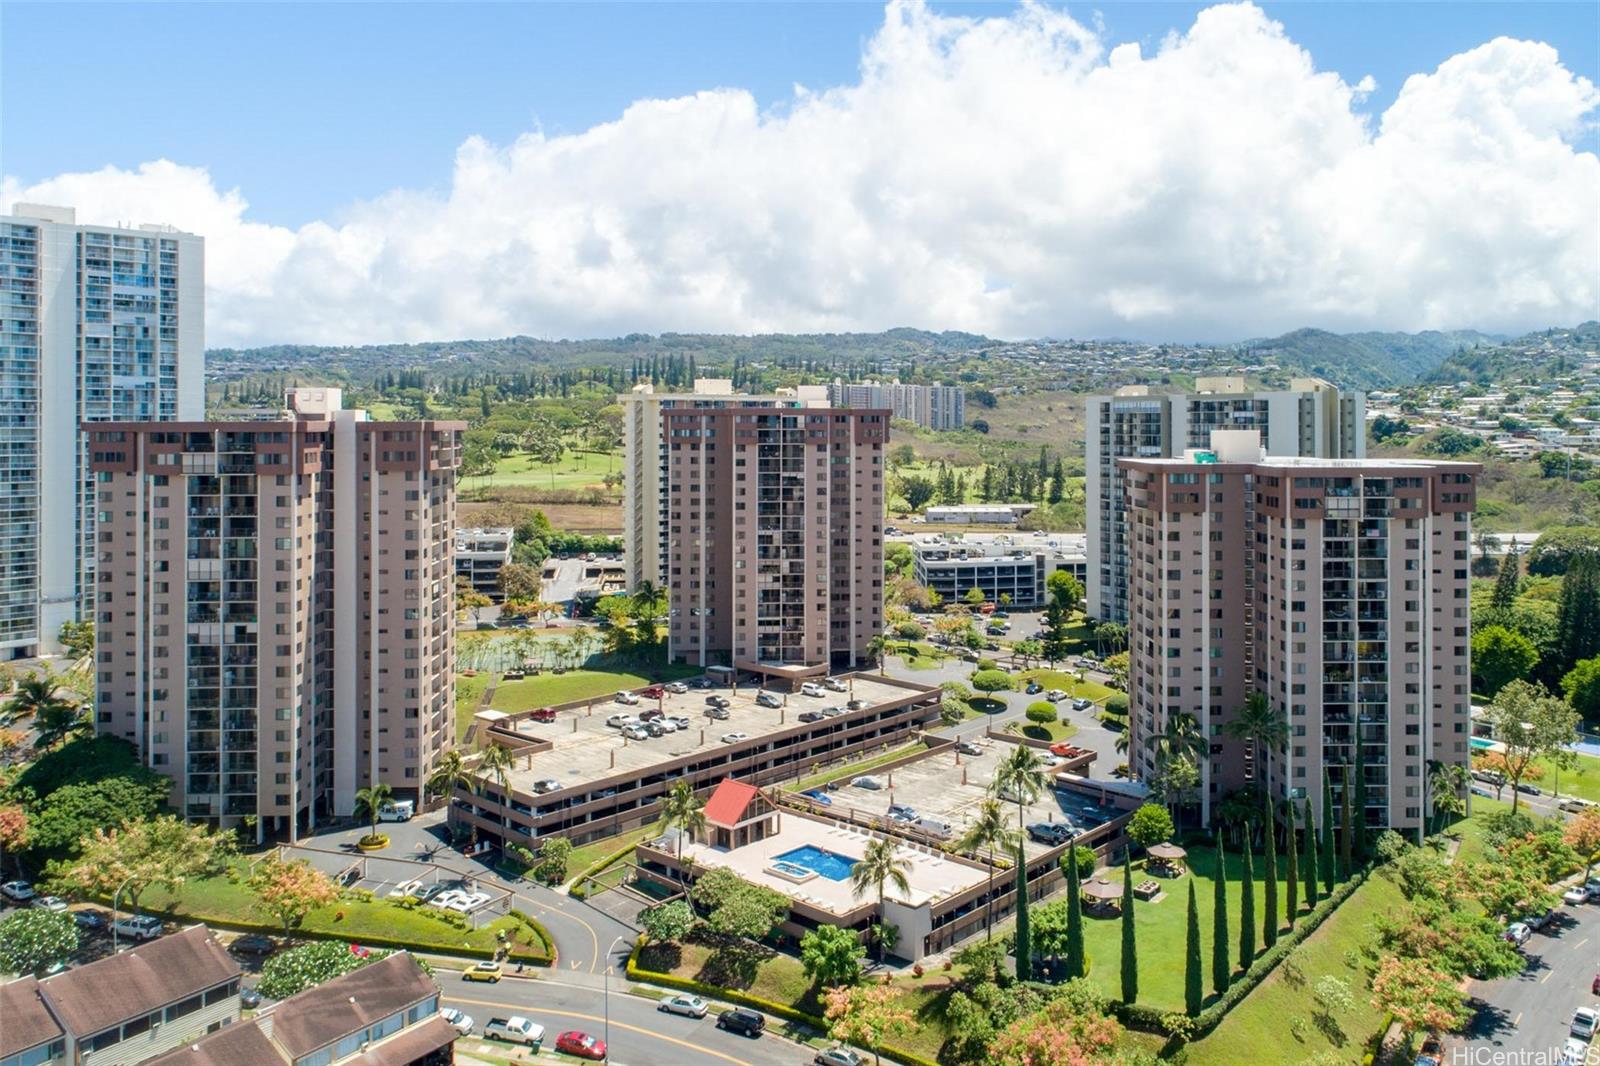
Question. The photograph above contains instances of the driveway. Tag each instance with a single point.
(580, 931)
(1527, 1014)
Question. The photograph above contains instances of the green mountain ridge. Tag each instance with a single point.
(1367, 360)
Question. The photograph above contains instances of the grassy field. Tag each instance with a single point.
(1069, 684)
(547, 689)
(223, 899)
(469, 690)
(570, 517)
(1053, 732)
(596, 850)
(576, 470)
(1160, 927)
(861, 766)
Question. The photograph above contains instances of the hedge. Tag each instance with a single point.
(732, 995)
(1150, 1020)
(596, 868)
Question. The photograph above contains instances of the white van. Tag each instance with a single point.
(934, 827)
(398, 811)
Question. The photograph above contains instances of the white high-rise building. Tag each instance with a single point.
(96, 323)
(931, 406)
(1311, 418)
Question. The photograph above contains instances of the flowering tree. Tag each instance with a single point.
(1071, 1030)
(1582, 835)
(162, 851)
(1419, 996)
(288, 891)
(866, 1015)
(13, 831)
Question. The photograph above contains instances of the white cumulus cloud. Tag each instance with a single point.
(1014, 175)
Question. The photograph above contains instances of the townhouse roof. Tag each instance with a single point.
(138, 981)
(28, 1022)
(319, 1016)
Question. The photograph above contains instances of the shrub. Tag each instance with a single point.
(992, 681)
(1117, 704)
(1041, 713)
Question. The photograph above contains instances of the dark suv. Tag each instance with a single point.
(742, 1020)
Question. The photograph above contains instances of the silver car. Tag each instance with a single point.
(686, 1005)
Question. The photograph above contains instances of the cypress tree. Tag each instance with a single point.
(1247, 908)
(1293, 887)
(1192, 993)
(1269, 918)
(1130, 946)
(1311, 858)
(1325, 860)
(1024, 929)
(1508, 583)
(1578, 614)
(1074, 916)
(1360, 814)
(1347, 829)
(1221, 968)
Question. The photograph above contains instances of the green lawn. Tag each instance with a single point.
(1070, 684)
(1583, 782)
(862, 766)
(222, 899)
(592, 852)
(1053, 732)
(1160, 927)
(576, 470)
(469, 690)
(548, 688)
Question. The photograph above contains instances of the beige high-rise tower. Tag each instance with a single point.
(276, 605)
(774, 535)
(1336, 588)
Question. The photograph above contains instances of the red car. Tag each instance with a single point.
(1065, 750)
(654, 692)
(582, 1045)
(544, 714)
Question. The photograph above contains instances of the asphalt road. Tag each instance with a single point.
(640, 1034)
(1529, 1012)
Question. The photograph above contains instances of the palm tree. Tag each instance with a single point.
(371, 800)
(1262, 726)
(989, 832)
(880, 866)
(449, 775)
(878, 648)
(682, 810)
(1021, 774)
(35, 693)
(1181, 740)
(1444, 784)
(643, 600)
(498, 760)
(56, 721)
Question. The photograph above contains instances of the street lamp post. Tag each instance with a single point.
(114, 897)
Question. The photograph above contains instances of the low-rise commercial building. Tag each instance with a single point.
(480, 553)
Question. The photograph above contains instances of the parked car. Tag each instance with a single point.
(397, 811)
(489, 972)
(544, 785)
(1517, 933)
(1432, 1051)
(1538, 921)
(832, 712)
(651, 714)
(249, 998)
(900, 812)
(722, 714)
(836, 684)
(968, 747)
(1033, 687)
(812, 716)
(636, 731)
(742, 1020)
(427, 893)
(654, 692)
(1574, 1052)
(1064, 750)
(718, 701)
(138, 927)
(1529, 790)
(627, 697)
(1489, 777)
(515, 1030)
(839, 1056)
(17, 891)
(768, 699)
(53, 904)
(1050, 833)
(253, 944)
(1479, 790)
(467, 902)
(1573, 804)
(1056, 695)
(582, 1045)
(1082, 704)
(677, 687)
(92, 921)
(734, 737)
(1585, 1022)
(461, 1023)
(818, 795)
(405, 888)
(660, 727)
(679, 720)
(868, 782)
(544, 714)
(811, 688)
(617, 721)
(684, 1004)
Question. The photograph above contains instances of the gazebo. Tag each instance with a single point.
(1099, 893)
(1169, 857)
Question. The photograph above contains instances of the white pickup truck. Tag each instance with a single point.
(515, 1030)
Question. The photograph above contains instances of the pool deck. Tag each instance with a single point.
(932, 876)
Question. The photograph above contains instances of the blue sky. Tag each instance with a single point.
(309, 108)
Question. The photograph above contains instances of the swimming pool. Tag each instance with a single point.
(821, 861)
